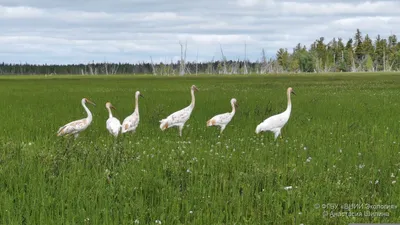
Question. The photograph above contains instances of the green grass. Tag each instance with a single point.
(341, 145)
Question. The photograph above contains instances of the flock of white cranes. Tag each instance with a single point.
(177, 119)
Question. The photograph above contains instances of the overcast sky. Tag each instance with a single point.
(72, 31)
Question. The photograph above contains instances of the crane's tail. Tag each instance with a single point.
(258, 129)
(124, 128)
(60, 131)
(163, 124)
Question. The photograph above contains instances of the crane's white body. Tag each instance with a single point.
(113, 125)
(179, 118)
(77, 126)
(131, 122)
(276, 122)
(222, 120)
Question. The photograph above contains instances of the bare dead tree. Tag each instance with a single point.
(391, 65)
(197, 59)
(234, 67)
(153, 67)
(353, 65)
(183, 59)
(114, 69)
(210, 64)
(245, 59)
(90, 68)
(264, 65)
(384, 60)
(224, 70)
(172, 67)
(360, 63)
(106, 67)
(20, 68)
(188, 70)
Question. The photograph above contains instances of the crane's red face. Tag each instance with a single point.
(88, 101)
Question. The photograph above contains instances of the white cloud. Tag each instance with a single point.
(340, 8)
(20, 12)
(246, 3)
(57, 31)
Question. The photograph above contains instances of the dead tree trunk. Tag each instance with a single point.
(105, 67)
(152, 66)
(264, 65)
(197, 59)
(183, 60)
(224, 70)
(90, 69)
(245, 58)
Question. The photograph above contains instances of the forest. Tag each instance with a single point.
(360, 53)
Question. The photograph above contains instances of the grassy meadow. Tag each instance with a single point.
(341, 146)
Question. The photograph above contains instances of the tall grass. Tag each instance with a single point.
(341, 145)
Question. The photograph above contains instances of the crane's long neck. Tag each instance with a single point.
(193, 99)
(233, 108)
(136, 105)
(89, 114)
(289, 103)
(109, 112)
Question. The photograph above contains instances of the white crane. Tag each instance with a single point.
(180, 117)
(77, 126)
(113, 125)
(223, 119)
(276, 122)
(131, 122)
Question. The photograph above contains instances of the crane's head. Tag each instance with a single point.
(85, 100)
(234, 102)
(194, 88)
(109, 105)
(290, 90)
(139, 94)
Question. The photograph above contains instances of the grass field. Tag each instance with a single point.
(341, 146)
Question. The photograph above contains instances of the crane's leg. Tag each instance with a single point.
(222, 129)
(76, 135)
(277, 133)
(180, 131)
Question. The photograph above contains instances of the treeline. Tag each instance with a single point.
(357, 54)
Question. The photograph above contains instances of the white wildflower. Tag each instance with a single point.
(288, 188)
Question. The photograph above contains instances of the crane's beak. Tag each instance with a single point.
(236, 105)
(141, 95)
(113, 107)
(293, 92)
(195, 88)
(88, 101)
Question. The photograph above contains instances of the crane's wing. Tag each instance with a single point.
(72, 127)
(180, 116)
(275, 121)
(130, 123)
(223, 118)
